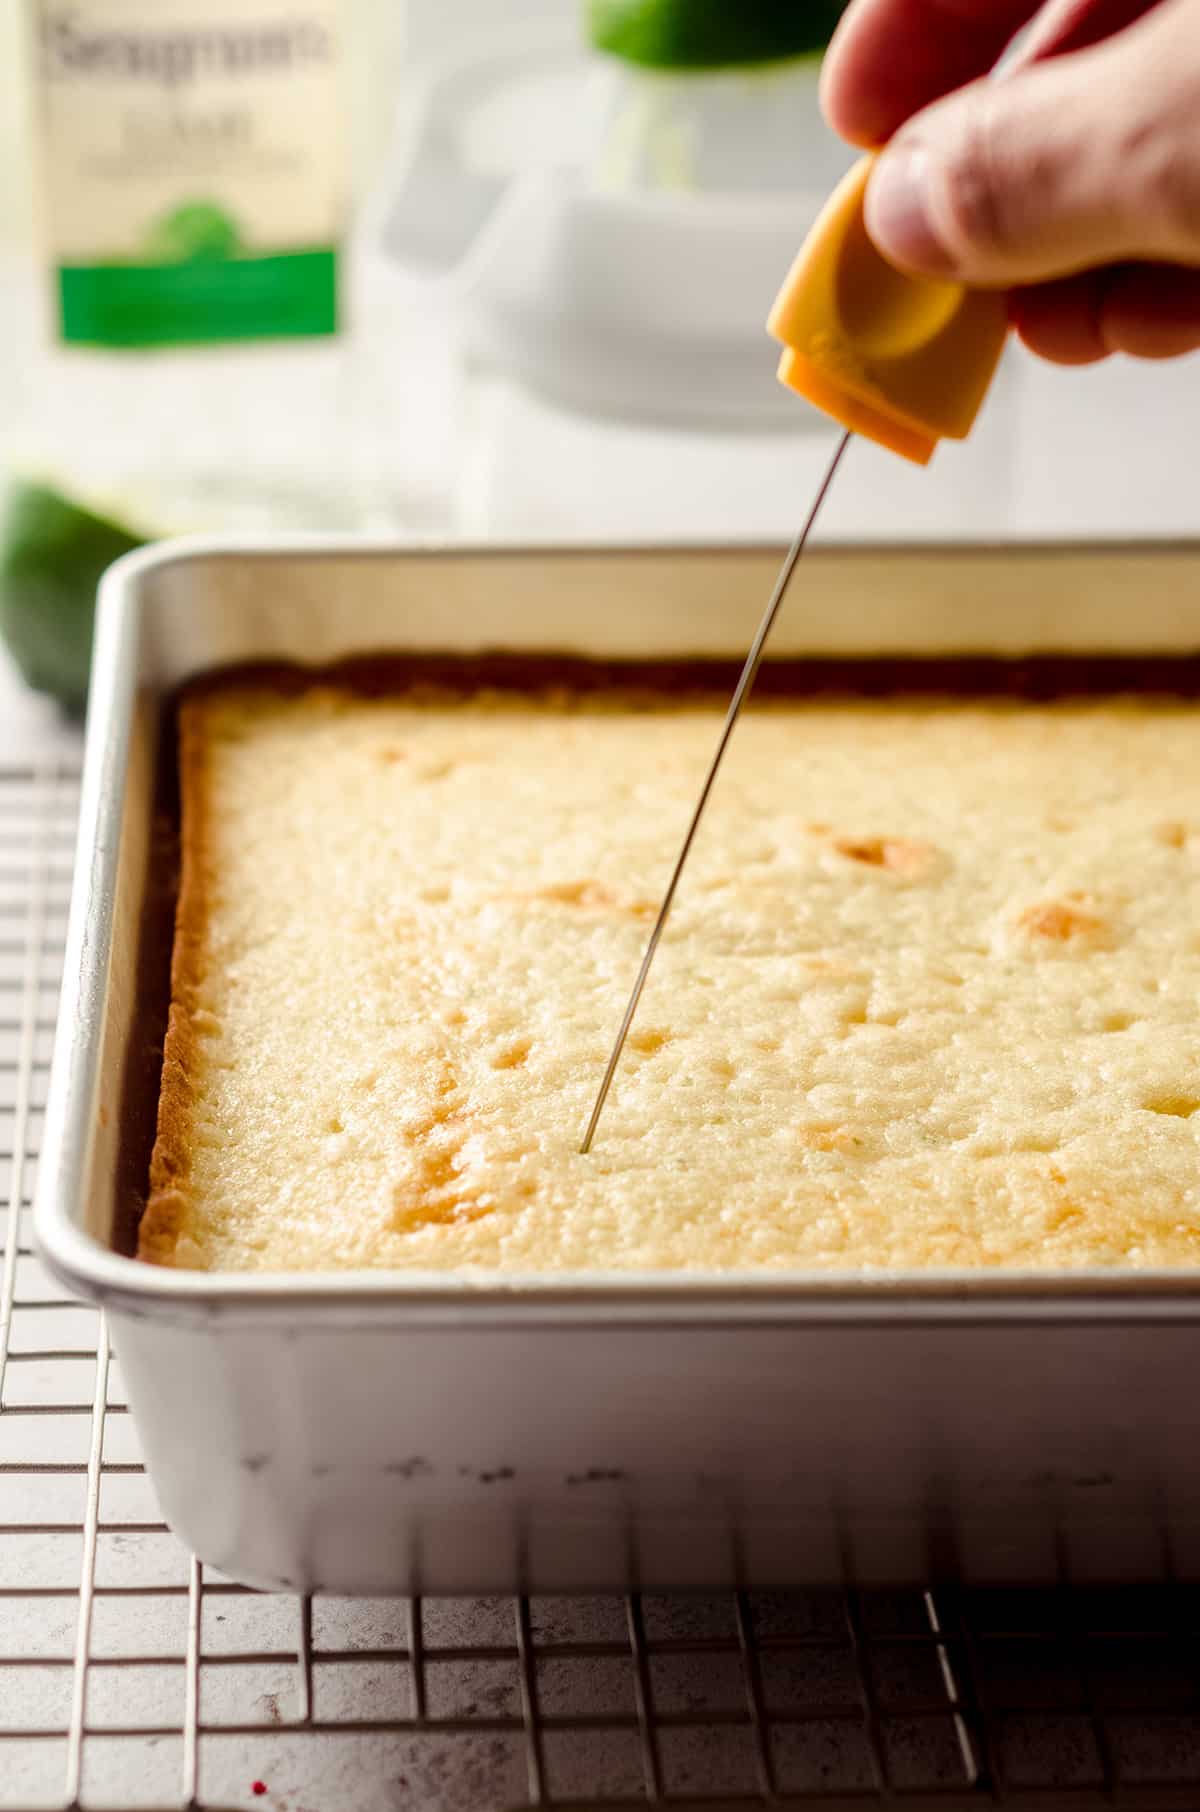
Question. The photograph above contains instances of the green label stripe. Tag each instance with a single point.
(206, 299)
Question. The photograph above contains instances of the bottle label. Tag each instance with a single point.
(193, 166)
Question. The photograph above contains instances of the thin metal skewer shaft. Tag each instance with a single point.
(731, 716)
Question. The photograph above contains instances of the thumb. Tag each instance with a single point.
(1089, 159)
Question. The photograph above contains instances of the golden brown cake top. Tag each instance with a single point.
(929, 996)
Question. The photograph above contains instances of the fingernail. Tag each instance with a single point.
(898, 214)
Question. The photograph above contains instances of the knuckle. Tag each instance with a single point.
(1160, 147)
(1174, 190)
(978, 184)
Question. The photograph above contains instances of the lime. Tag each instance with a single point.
(52, 553)
(711, 34)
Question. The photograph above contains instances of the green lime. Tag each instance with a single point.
(194, 230)
(711, 34)
(52, 553)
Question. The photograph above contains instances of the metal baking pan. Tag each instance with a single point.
(390, 1432)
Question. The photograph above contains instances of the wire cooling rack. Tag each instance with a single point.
(132, 1677)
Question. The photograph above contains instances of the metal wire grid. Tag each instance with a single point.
(131, 1677)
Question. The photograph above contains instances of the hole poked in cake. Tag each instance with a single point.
(436, 1193)
(512, 1055)
(828, 1136)
(1072, 922)
(908, 857)
(1063, 1216)
(578, 893)
(1176, 1104)
(435, 1189)
(440, 1106)
(441, 1191)
(590, 895)
(647, 1041)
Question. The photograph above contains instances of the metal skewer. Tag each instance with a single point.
(731, 716)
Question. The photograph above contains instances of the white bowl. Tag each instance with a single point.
(613, 238)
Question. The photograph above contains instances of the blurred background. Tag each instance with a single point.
(483, 268)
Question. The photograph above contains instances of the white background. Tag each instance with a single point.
(1109, 451)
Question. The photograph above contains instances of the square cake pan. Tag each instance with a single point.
(383, 1431)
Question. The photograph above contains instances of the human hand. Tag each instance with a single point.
(1073, 181)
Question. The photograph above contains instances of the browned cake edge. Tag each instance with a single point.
(168, 1206)
(432, 678)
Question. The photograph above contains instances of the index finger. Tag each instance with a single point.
(889, 58)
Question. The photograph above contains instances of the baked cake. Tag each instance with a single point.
(930, 995)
